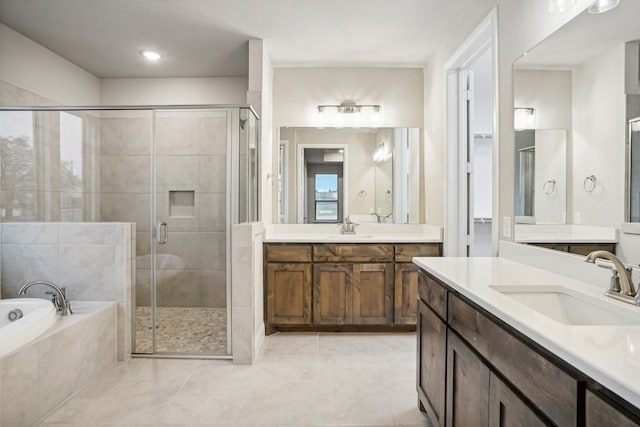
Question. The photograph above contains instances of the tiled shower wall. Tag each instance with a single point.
(191, 165)
(109, 179)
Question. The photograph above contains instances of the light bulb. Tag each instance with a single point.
(601, 6)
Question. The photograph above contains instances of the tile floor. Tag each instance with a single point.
(301, 380)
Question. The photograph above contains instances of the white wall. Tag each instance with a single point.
(297, 92)
(549, 92)
(598, 138)
(550, 164)
(174, 91)
(260, 95)
(482, 118)
(31, 67)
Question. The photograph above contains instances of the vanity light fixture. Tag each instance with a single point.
(380, 154)
(524, 118)
(150, 55)
(602, 6)
(557, 6)
(349, 114)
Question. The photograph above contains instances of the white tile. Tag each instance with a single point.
(96, 283)
(138, 136)
(112, 137)
(138, 170)
(345, 343)
(29, 233)
(92, 234)
(113, 174)
(25, 263)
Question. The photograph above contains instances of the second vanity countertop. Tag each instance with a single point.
(365, 233)
(608, 354)
(564, 233)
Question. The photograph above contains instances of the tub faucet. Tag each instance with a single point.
(59, 296)
(621, 286)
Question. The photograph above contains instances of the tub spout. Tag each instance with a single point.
(59, 298)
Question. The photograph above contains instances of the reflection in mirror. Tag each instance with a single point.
(540, 174)
(370, 175)
(584, 79)
(634, 168)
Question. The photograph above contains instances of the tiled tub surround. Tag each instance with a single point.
(37, 377)
(93, 260)
(365, 233)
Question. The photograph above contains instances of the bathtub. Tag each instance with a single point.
(38, 316)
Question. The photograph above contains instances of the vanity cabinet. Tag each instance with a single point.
(358, 294)
(288, 284)
(342, 286)
(601, 413)
(493, 376)
(406, 280)
(432, 344)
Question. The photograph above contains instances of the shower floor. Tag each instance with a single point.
(183, 330)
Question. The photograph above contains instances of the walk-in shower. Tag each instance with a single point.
(183, 174)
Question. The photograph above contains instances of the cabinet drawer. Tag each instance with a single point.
(433, 293)
(353, 253)
(550, 389)
(600, 413)
(288, 253)
(405, 252)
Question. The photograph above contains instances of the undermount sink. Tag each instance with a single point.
(350, 236)
(567, 306)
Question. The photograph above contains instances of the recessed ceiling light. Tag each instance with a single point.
(601, 6)
(150, 55)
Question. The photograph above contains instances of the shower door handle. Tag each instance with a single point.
(163, 233)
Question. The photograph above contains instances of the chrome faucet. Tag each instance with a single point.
(59, 298)
(380, 216)
(621, 286)
(348, 227)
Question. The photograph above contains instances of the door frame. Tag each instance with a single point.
(301, 179)
(485, 36)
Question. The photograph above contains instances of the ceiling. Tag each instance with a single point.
(586, 36)
(208, 38)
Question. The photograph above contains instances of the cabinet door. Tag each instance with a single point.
(467, 386)
(432, 363)
(601, 413)
(288, 294)
(332, 294)
(372, 294)
(406, 293)
(508, 410)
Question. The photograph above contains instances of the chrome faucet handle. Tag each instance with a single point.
(54, 299)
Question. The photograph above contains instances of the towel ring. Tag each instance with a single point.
(589, 183)
(362, 193)
(549, 187)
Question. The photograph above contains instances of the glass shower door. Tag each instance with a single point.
(191, 232)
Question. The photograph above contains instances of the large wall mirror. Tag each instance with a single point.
(576, 95)
(370, 175)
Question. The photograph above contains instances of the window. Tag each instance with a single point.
(326, 196)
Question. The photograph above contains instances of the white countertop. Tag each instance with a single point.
(365, 233)
(564, 233)
(608, 354)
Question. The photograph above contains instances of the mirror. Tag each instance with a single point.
(541, 176)
(370, 175)
(581, 84)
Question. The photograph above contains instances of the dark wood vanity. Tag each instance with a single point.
(342, 286)
(476, 370)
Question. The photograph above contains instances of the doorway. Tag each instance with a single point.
(471, 145)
